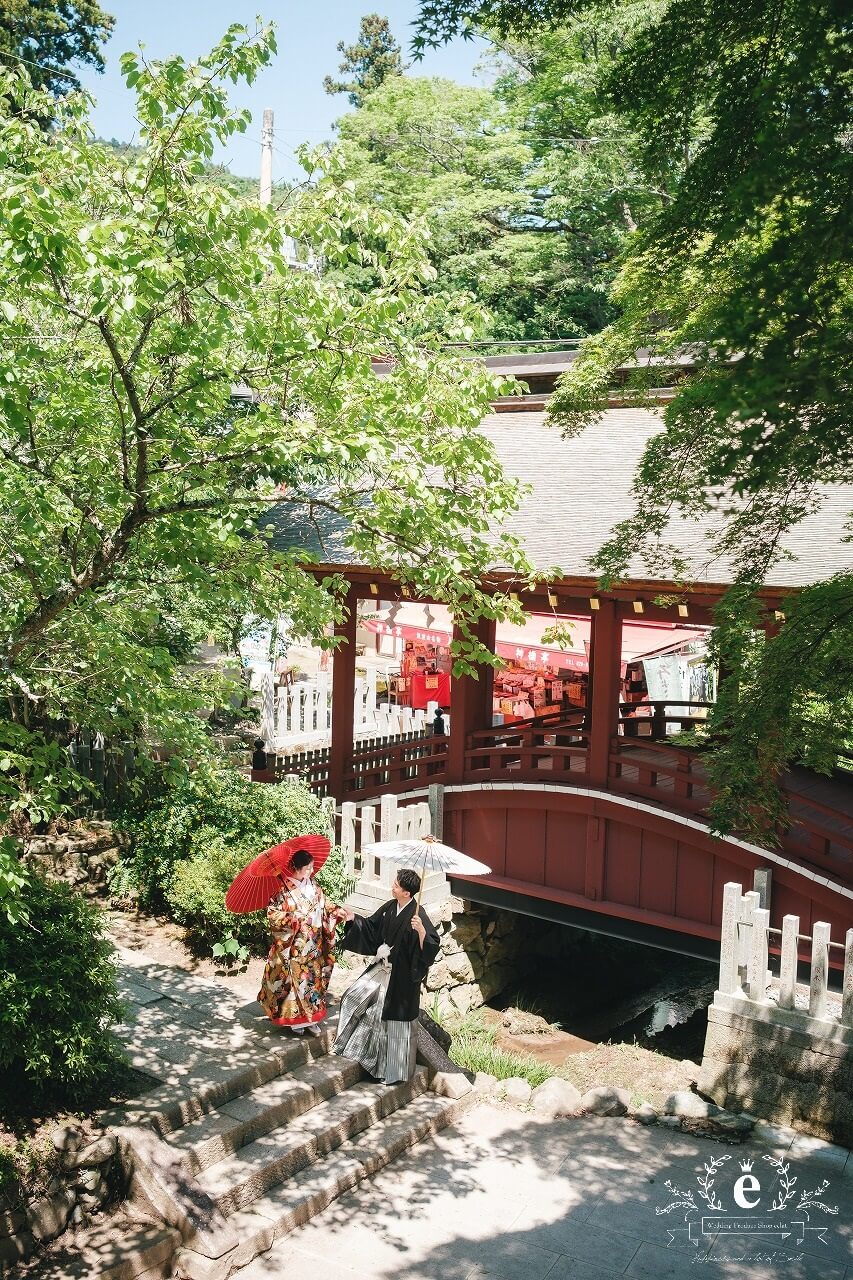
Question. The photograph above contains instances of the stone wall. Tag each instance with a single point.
(82, 856)
(783, 1066)
(86, 1176)
(480, 947)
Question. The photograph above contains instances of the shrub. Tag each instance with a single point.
(58, 998)
(189, 846)
(197, 894)
(210, 805)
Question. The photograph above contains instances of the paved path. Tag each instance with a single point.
(503, 1195)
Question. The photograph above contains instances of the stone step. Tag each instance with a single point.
(233, 1183)
(310, 1190)
(169, 1107)
(218, 1134)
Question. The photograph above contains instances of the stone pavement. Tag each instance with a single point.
(504, 1195)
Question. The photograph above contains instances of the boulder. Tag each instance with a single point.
(67, 1138)
(12, 1221)
(438, 976)
(15, 1248)
(646, 1113)
(726, 1122)
(484, 1082)
(90, 1180)
(451, 1084)
(466, 931)
(48, 1215)
(97, 1152)
(460, 967)
(605, 1100)
(689, 1106)
(465, 997)
(670, 1122)
(555, 1097)
(515, 1090)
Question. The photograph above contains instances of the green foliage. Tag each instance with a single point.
(440, 20)
(190, 843)
(133, 494)
(51, 34)
(57, 997)
(531, 189)
(372, 60)
(230, 951)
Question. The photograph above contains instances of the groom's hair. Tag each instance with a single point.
(409, 880)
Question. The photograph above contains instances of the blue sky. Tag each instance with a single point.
(292, 85)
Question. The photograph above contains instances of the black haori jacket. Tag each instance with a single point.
(409, 961)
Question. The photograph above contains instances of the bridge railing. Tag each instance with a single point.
(362, 823)
(746, 941)
(653, 719)
(398, 763)
(555, 744)
(658, 771)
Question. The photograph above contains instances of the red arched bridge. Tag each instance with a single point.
(631, 854)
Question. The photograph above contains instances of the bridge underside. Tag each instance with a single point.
(490, 894)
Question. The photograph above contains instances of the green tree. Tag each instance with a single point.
(530, 189)
(373, 59)
(135, 294)
(50, 35)
(749, 264)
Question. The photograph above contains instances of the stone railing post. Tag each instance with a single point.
(788, 962)
(729, 938)
(436, 810)
(758, 954)
(847, 987)
(748, 903)
(820, 969)
(348, 835)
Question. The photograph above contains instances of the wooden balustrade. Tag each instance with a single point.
(657, 771)
(555, 744)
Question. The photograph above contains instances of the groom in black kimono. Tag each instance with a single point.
(378, 1012)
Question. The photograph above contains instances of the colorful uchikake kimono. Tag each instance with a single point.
(300, 961)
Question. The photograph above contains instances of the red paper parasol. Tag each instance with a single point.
(258, 883)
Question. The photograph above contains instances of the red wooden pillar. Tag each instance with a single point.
(604, 688)
(343, 698)
(470, 703)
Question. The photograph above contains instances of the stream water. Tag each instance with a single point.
(600, 989)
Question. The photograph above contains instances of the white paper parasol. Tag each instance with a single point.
(426, 853)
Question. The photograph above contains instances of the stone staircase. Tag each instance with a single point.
(224, 1170)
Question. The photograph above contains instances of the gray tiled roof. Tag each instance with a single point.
(580, 488)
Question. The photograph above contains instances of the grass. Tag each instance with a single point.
(474, 1048)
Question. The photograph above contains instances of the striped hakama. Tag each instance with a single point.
(386, 1049)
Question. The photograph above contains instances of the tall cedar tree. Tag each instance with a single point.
(369, 62)
(50, 35)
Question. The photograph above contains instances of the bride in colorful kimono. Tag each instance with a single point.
(301, 959)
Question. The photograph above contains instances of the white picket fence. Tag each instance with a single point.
(301, 714)
(362, 824)
(744, 947)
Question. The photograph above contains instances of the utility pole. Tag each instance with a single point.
(265, 195)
